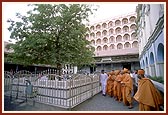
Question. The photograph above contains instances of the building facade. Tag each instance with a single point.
(150, 34)
(115, 43)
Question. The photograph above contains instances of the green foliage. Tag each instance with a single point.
(52, 34)
(158, 79)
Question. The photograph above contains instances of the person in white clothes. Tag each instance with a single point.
(103, 81)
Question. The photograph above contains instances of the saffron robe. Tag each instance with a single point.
(127, 89)
(110, 84)
(119, 79)
(148, 96)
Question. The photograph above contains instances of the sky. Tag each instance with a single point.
(105, 10)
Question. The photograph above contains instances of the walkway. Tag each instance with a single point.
(96, 103)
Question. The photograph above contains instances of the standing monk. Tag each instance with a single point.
(148, 96)
(115, 83)
(127, 85)
(110, 84)
(103, 81)
(119, 79)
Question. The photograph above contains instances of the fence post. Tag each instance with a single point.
(70, 96)
(91, 85)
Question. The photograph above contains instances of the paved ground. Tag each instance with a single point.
(101, 103)
(96, 103)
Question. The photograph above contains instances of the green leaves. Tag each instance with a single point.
(52, 34)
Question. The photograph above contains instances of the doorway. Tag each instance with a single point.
(92, 69)
(127, 65)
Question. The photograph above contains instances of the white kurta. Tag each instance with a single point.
(103, 81)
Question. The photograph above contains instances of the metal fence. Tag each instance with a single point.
(49, 88)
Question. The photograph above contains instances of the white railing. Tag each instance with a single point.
(62, 93)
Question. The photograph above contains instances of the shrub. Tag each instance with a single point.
(159, 79)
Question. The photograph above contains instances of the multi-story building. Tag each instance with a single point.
(150, 34)
(115, 43)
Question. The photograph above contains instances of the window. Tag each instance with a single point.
(112, 39)
(92, 35)
(92, 28)
(126, 37)
(98, 27)
(105, 40)
(125, 21)
(117, 22)
(105, 47)
(119, 46)
(118, 30)
(110, 31)
(119, 38)
(98, 34)
(104, 33)
(110, 24)
(99, 48)
(98, 41)
(135, 44)
(104, 25)
(132, 19)
(93, 42)
(127, 45)
(112, 46)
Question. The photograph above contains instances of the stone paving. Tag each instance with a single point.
(96, 103)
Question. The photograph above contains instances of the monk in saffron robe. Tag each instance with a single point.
(127, 85)
(122, 86)
(115, 83)
(119, 79)
(148, 97)
(110, 83)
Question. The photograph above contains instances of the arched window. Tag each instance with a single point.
(160, 52)
(133, 27)
(119, 46)
(105, 40)
(124, 21)
(126, 37)
(98, 34)
(143, 64)
(118, 30)
(132, 19)
(119, 38)
(98, 41)
(104, 25)
(104, 32)
(127, 45)
(125, 29)
(110, 24)
(133, 36)
(92, 42)
(92, 35)
(112, 39)
(99, 48)
(151, 58)
(135, 44)
(117, 23)
(98, 27)
(105, 47)
(112, 46)
(92, 28)
(111, 31)
(146, 62)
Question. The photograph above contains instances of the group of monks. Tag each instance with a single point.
(120, 87)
